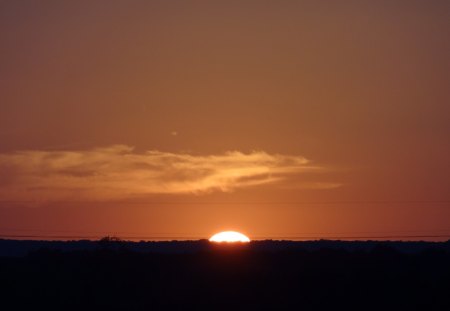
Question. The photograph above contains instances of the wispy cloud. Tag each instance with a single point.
(120, 172)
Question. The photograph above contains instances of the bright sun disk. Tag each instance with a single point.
(229, 237)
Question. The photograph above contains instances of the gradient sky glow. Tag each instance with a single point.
(186, 118)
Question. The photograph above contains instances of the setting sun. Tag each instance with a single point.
(229, 237)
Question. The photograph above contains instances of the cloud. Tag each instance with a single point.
(120, 172)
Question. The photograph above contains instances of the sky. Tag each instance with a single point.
(185, 118)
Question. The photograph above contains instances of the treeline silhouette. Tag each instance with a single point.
(215, 277)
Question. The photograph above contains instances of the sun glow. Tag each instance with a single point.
(229, 237)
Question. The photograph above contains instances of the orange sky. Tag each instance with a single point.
(184, 118)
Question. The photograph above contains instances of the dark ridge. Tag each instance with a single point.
(198, 275)
(19, 248)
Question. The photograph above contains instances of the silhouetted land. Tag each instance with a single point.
(321, 275)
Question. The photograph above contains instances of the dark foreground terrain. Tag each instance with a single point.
(197, 275)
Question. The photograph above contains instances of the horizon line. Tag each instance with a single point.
(197, 238)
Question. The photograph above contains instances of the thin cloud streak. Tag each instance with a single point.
(118, 172)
